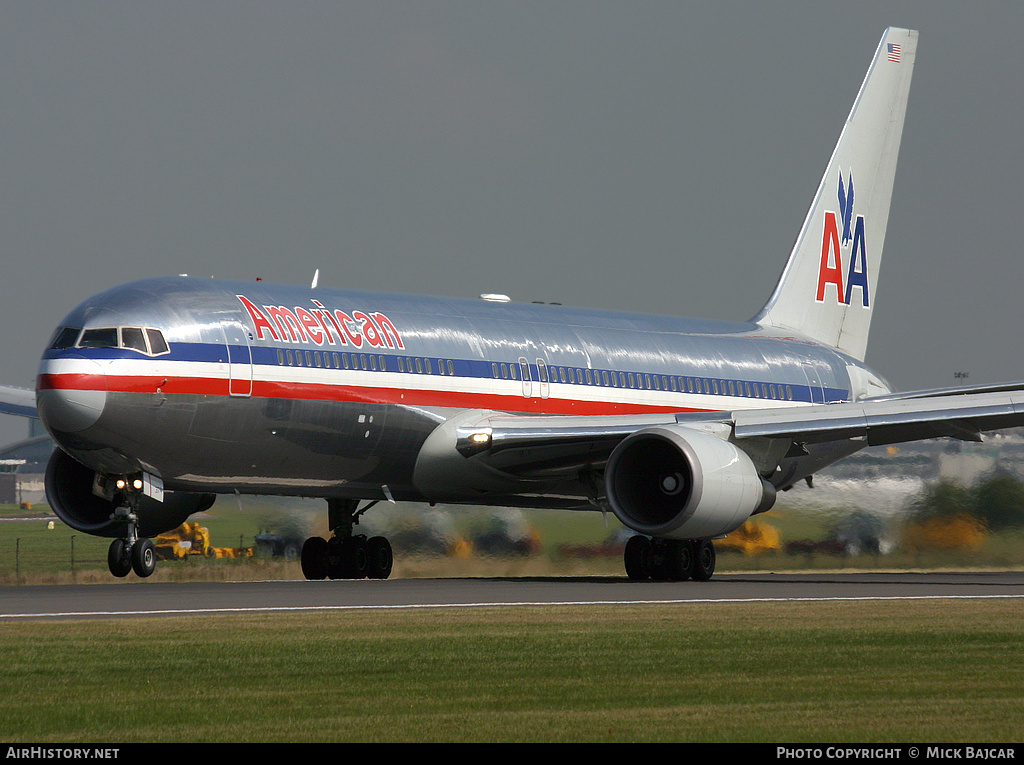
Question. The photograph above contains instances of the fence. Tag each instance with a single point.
(24, 556)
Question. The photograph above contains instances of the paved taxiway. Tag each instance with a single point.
(134, 598)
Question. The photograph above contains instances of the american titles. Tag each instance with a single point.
(321, 326)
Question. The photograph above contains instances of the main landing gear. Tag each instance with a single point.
(669, 560)
(346, 555)
(131, 553)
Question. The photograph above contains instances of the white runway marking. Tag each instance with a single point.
(493, 604)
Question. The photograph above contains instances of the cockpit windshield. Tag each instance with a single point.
(142, 339)
(65, 337)
(105, 337)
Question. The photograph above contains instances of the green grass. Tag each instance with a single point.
(930, 671)
(847, 672)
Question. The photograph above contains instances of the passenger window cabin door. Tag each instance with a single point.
(239, 360)
(542, 375)
(524, 369)
(814, 385)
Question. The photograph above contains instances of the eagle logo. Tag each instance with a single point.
(846, 206)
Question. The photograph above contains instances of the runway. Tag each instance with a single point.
(139, 598)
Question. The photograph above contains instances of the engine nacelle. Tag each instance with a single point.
(69, 490)
(680, 483)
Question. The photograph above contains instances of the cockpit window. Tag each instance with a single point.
(99, 338)
(132, 337)
(144, 340)
(157, 344)
(65, 337)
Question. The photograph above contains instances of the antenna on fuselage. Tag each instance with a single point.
(316, 278)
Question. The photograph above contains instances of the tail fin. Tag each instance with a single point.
(827, 289)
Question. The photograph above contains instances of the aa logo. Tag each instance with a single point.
(850, 250)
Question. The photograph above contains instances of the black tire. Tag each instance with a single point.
(313, 558)
(356, 558)
(380, 556)
(119, 559)
(334, 556)
(143, 557)
(677, 560)
(703, 560)
(639, 558)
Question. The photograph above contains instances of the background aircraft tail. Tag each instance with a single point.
(827, 290)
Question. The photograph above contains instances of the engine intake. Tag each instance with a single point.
(69, 490)
(680, 483)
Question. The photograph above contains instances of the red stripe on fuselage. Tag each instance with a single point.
(71, 382)
(352, 394)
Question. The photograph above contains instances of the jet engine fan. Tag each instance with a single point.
(679, 483)
(70, 492)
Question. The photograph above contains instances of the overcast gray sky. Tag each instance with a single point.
(646, 156)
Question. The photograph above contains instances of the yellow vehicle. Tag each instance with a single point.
(953, 532)
(193, 539)
(752, 538)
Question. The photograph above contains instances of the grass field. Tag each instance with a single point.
(915, 671)
(850, 672)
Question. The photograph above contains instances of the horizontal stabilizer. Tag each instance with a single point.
(18, 401)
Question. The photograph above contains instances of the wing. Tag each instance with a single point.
(686, 475)
(962, 413)
(536, 446)
(19, 401)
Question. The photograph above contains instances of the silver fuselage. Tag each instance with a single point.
(268, 389)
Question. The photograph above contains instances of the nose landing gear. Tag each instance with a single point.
(124, 557)
(131, 553)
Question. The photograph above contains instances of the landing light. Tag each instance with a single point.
(473, 441)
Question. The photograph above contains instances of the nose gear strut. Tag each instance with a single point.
(130, 553)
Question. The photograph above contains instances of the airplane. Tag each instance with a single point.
(163, 393)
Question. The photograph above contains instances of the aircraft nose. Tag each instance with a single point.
(71, 402)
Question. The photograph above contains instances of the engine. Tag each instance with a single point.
(680, 483)
(71, 492)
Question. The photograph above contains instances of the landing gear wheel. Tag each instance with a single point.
(381, 559)
(313, 558)
(703, 560)
(347, 558)
(346, 555)
(669, 560)
(334, 559)
(356, 560)
(143, 557)
(676, 560)
(119, 558)
(639, 558)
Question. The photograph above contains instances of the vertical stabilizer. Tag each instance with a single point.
(827, 290)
